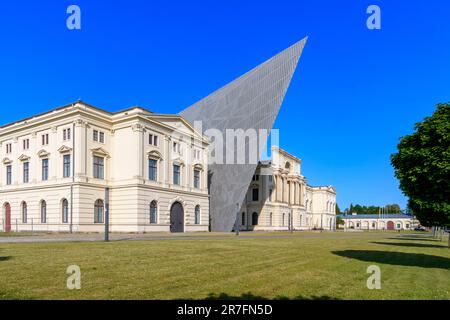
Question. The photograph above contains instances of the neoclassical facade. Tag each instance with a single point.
(379, 222)
(61, 170)
(279, 198)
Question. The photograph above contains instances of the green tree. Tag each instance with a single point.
(422, 165)
(338, 210)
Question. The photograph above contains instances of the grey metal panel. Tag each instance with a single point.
(251, 101)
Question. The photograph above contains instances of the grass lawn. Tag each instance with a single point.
(295, 266)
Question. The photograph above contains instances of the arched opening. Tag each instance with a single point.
(153, 212)
(176, 217)
(65, 211)
(197, 214)
(390, 225)
(99, 211)
(243, 219)
(271, 219)
(24, 210)
(43, 208)
(254, 219)
(7, 210)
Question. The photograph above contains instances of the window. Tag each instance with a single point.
(66, 166)
(255, 219)
(197, 214)
(153, 212)
(270, 219)
(407, 226)
(95, 135)
(152, 169)
(197, 154)
(102, 137)
(43, 211)
(373, 225)
(8, 175)
(270, 178)
(243, 218)
(45, 139)
(44, 169)
(177, 147)
(26, 172)
(99, 167)
(26, 144)
(176, 174)
(153, 140)
(196, 179)
(255, 194)
(66, 134)
(24, 212)
(65, 211)
(8, 148)
(98, 211)
(255, 177)
(270, 194)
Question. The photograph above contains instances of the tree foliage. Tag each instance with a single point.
(422, 165)
(362, 209)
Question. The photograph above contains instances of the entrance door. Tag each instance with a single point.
(7, 217)
(176, 218)
(390, 225)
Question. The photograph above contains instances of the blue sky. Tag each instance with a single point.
(355, 92)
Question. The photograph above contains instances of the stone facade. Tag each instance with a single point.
(57, 167)
(379, 222)
(279, 197)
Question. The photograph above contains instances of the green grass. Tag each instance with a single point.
(302, 265)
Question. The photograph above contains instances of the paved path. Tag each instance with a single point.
(93, 237)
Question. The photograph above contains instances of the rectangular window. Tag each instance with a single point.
(255, 177)
(152, 169)
(102, 137)
(255, 194)
(66, 166)
(155, 141)
(44, 169)
(26, 144)
(8, 148)
(26, 172)
(176, 174)
(270, 195)
(99, 167)
(196, 179)
(8, 175)
(66, 134)
(174, 147)
(95, 135)
(45, 139)
(150, 139)
(270, 178)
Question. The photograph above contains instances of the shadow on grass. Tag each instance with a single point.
(397, 258)
(250, 296)
(5, 259)
(406, 244)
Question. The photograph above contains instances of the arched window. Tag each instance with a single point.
(283, 222)
(243, 218)
(271, 219)
(65, 211)
(153, 212)
(98, 211)
(43, 211)
(197, 214)
(24, 212)
(255, 219)
(301, 218)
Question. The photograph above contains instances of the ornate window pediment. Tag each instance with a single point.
(7, 161)
(24, 157)
(178, 161)
(154, 154)
(43, 153)
(64, 149)
(100, 152)
(198, 166)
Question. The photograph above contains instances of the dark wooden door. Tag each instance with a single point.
(7, 217)
(390, 225)
(176, 218)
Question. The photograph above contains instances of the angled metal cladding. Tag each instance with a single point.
(251, 101)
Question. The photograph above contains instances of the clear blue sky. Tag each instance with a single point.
(356, 91)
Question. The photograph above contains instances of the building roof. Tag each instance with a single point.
(376, 216)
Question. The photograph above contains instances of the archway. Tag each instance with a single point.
(176, 217)
(390, 225)
(7, 208)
